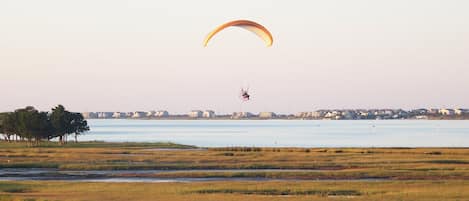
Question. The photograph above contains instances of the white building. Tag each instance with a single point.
(208, 114)
(315, 114)
(162, 113)
(195, 114)
(364, 113)
(89, 115)
(460, 111)
(318, 114)
(241, 115)
(118, 115)
(446, 111)
(129, 114)
(267, 115)
(139, 114)
(105, 115)
(150, 114)
(335, 114)
(302, 115)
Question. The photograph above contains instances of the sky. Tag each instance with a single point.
(115, 55)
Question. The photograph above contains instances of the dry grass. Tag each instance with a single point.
(255, 191)
(416, 174)
(341, 163)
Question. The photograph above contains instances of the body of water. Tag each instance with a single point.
(284, 133)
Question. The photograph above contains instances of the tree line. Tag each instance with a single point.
(29, 124)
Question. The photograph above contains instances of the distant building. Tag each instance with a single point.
(241, 115)
(129, 114)
(315, 115)
(461, 111)
(303, 115)
(208, 114)
(420, 111)
(139, 114)
(446, 112)
(399, 114)
(267, 115)
(421, 117)
(105, 115)
(318, 114)
(118, 115)
(150, 114)
(162, 113)
(89, 115)
(348, 114)
(195, 114)
(335, 114)
(433, 111)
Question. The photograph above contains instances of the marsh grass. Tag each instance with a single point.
(280, 192)
(14, 188)
(29, 165)
(253, 191)
(97, 144)
(430, 174)
(331, 163)
(449, 161)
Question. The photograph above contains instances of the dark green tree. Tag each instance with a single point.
(34, 126)
(9, 125)
(66, 123)
(41, 127)
(60, 120)
(79, 125)
(31, 124)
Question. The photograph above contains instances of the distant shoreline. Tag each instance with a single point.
(261, 119)
(340, 114)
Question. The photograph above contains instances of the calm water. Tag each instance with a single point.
(280, 133)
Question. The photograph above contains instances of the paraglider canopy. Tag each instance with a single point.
(254, 27)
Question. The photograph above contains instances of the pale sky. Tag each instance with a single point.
(114, 55)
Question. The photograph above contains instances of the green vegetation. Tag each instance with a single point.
(34, 126)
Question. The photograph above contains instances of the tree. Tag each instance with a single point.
(66, 123)
(60, 120)
(31, 124)
(41, 127)
(22, 123)
(79, 125)
(9, 125)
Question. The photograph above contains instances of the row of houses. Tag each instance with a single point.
(354, 114)
(234, 115)
(261, 115)
(379, 113)
(458, 111)
(122, 115)
(150, 114)
(318, 114)
(202, 114)
(194, 114)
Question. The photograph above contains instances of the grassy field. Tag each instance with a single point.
(406, 173)
(256, 191)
